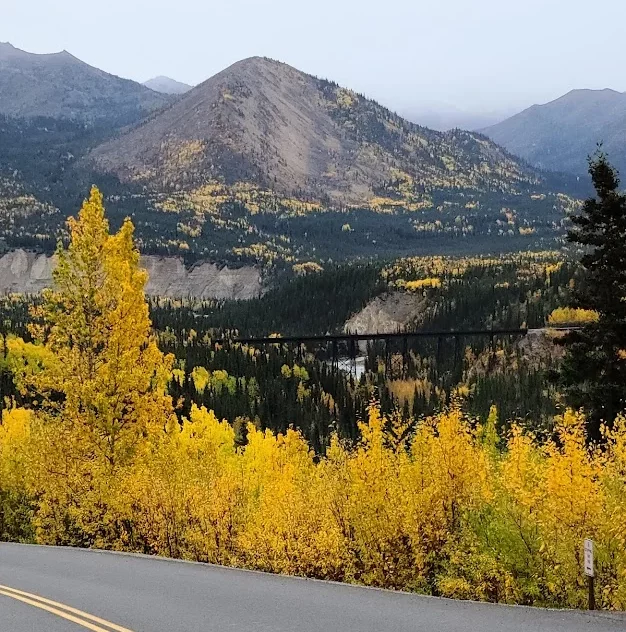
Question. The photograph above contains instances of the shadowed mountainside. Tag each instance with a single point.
(59, 85)
(561, 134)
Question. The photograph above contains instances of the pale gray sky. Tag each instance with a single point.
(473, 55)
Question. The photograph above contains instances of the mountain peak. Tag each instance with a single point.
(586, 95)
(561, 134)
(592, 91)
(257, 61)
(263, 122)
(8, 50)
(253, 67)
(10, 54)
(167, 85)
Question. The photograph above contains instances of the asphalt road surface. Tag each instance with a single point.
(49, 589)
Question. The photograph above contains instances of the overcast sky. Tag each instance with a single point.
(480, 55)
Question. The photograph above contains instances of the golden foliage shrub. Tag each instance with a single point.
(572, 316)
(446, 508)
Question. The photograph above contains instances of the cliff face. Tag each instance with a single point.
(25, 272)
(388, 313)
(28, 273)
(169, 277)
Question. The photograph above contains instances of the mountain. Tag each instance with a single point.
(166, 85)
(561, 134)
(263, 164)
(61, 86)
(263, 122)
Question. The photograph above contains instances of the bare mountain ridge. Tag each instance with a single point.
(561, 134)
(264, 122)
(58, 85)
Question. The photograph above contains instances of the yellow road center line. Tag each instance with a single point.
(61, 610)
(60, 613)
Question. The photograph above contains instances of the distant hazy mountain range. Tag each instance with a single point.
(259, 121)
(61, 86)
(444, 117)
(167, 85)
(561, 134)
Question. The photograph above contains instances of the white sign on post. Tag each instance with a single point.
(589, 558)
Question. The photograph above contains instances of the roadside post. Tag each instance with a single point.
(590, 573)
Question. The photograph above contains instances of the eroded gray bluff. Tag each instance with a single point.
(27, 272)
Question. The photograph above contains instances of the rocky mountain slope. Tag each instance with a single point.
(388, 313)
(167, 85)
(59, 85)
(264, 122)
(561, 134)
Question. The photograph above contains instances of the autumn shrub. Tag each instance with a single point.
(183, 493)
(441, 507)
(16, 494)
(572, 316)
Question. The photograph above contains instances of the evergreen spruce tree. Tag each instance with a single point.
(593, 374)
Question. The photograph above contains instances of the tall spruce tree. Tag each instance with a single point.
(593, 374)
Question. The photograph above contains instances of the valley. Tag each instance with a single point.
(182, 270)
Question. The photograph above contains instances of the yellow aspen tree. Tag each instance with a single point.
(110, 378)
(613, 534)
(16, 494)
(574, 504)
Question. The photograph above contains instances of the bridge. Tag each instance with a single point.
(342, 350)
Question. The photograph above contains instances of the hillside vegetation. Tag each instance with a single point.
(97, 449)
(451, 509)
(282, 385)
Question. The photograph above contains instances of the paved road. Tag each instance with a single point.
(144, 594)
